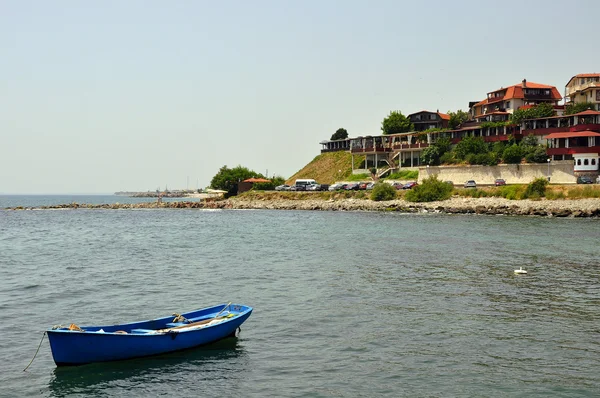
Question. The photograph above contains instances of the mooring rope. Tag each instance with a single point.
(36, 352)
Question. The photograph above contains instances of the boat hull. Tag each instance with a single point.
(154, 337)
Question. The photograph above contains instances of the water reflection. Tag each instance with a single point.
(225, 359)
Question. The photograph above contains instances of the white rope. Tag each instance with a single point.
(36, 352)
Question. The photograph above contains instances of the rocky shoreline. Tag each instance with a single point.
(456, 205)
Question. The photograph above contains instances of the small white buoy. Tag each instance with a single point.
(520, 271)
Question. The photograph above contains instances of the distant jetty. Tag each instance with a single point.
(586, 208)
(149, 194)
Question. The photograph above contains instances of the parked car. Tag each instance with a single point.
(335, 187)
(410, 185)
(352, 187)
(499, 181)
(470, 184)
(363, 185)
(398, 185)
(313, 187)
(370, 186)
(584, 180)
(283, 187)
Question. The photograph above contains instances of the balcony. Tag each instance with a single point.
(573, 150)
(580, 87)
(545, 131)
(371, 149)
(399, 147)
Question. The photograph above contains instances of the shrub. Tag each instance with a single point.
(486, 159)
(536, 154)
(536, 189)
(511, 192)
(554, 195)
(431, 189)
(448, 158)
(585, 192)
(263, 186)
(512, 154)
(383, 191)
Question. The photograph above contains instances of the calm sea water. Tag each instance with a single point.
(346, 303)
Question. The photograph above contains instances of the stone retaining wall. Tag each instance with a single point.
(561, 172)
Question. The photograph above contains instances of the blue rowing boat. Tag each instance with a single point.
(74, 345)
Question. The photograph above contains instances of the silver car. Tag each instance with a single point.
(470, 184)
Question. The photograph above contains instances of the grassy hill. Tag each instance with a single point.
(328, 168)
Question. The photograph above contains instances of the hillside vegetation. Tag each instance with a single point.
(328, 168)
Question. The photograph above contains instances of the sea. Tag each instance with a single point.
(346, 304)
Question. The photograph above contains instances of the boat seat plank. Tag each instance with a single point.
(173, 325)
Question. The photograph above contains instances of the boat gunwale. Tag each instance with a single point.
(156, 332)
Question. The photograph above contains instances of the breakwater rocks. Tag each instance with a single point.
(456, 205)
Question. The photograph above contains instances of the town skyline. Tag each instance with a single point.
(114, 96)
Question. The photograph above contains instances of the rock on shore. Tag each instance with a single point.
(455, 205)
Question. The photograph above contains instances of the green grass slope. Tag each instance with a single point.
(328, 168)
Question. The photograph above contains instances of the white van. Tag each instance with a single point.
(301, 184)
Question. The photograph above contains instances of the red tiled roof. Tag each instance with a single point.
(516, 91)
(571, 134)
(589, 112)
(444, 116)
(256, 180)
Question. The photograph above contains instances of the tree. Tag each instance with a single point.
(227, 179)
(541, 110)
(571, 108)
(457, 118)
(470, 145)
(340, 134)
(432, 154)
(512, 154)
(396, 123)
(529, 141)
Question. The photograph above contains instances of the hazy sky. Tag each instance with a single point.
(102, 96)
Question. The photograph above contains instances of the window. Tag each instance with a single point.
(585, 162)
(593, 162)
(578, 162)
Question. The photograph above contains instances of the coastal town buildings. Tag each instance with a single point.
(499, 104)
(573, 137)
(582, 88)
(425, 120)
